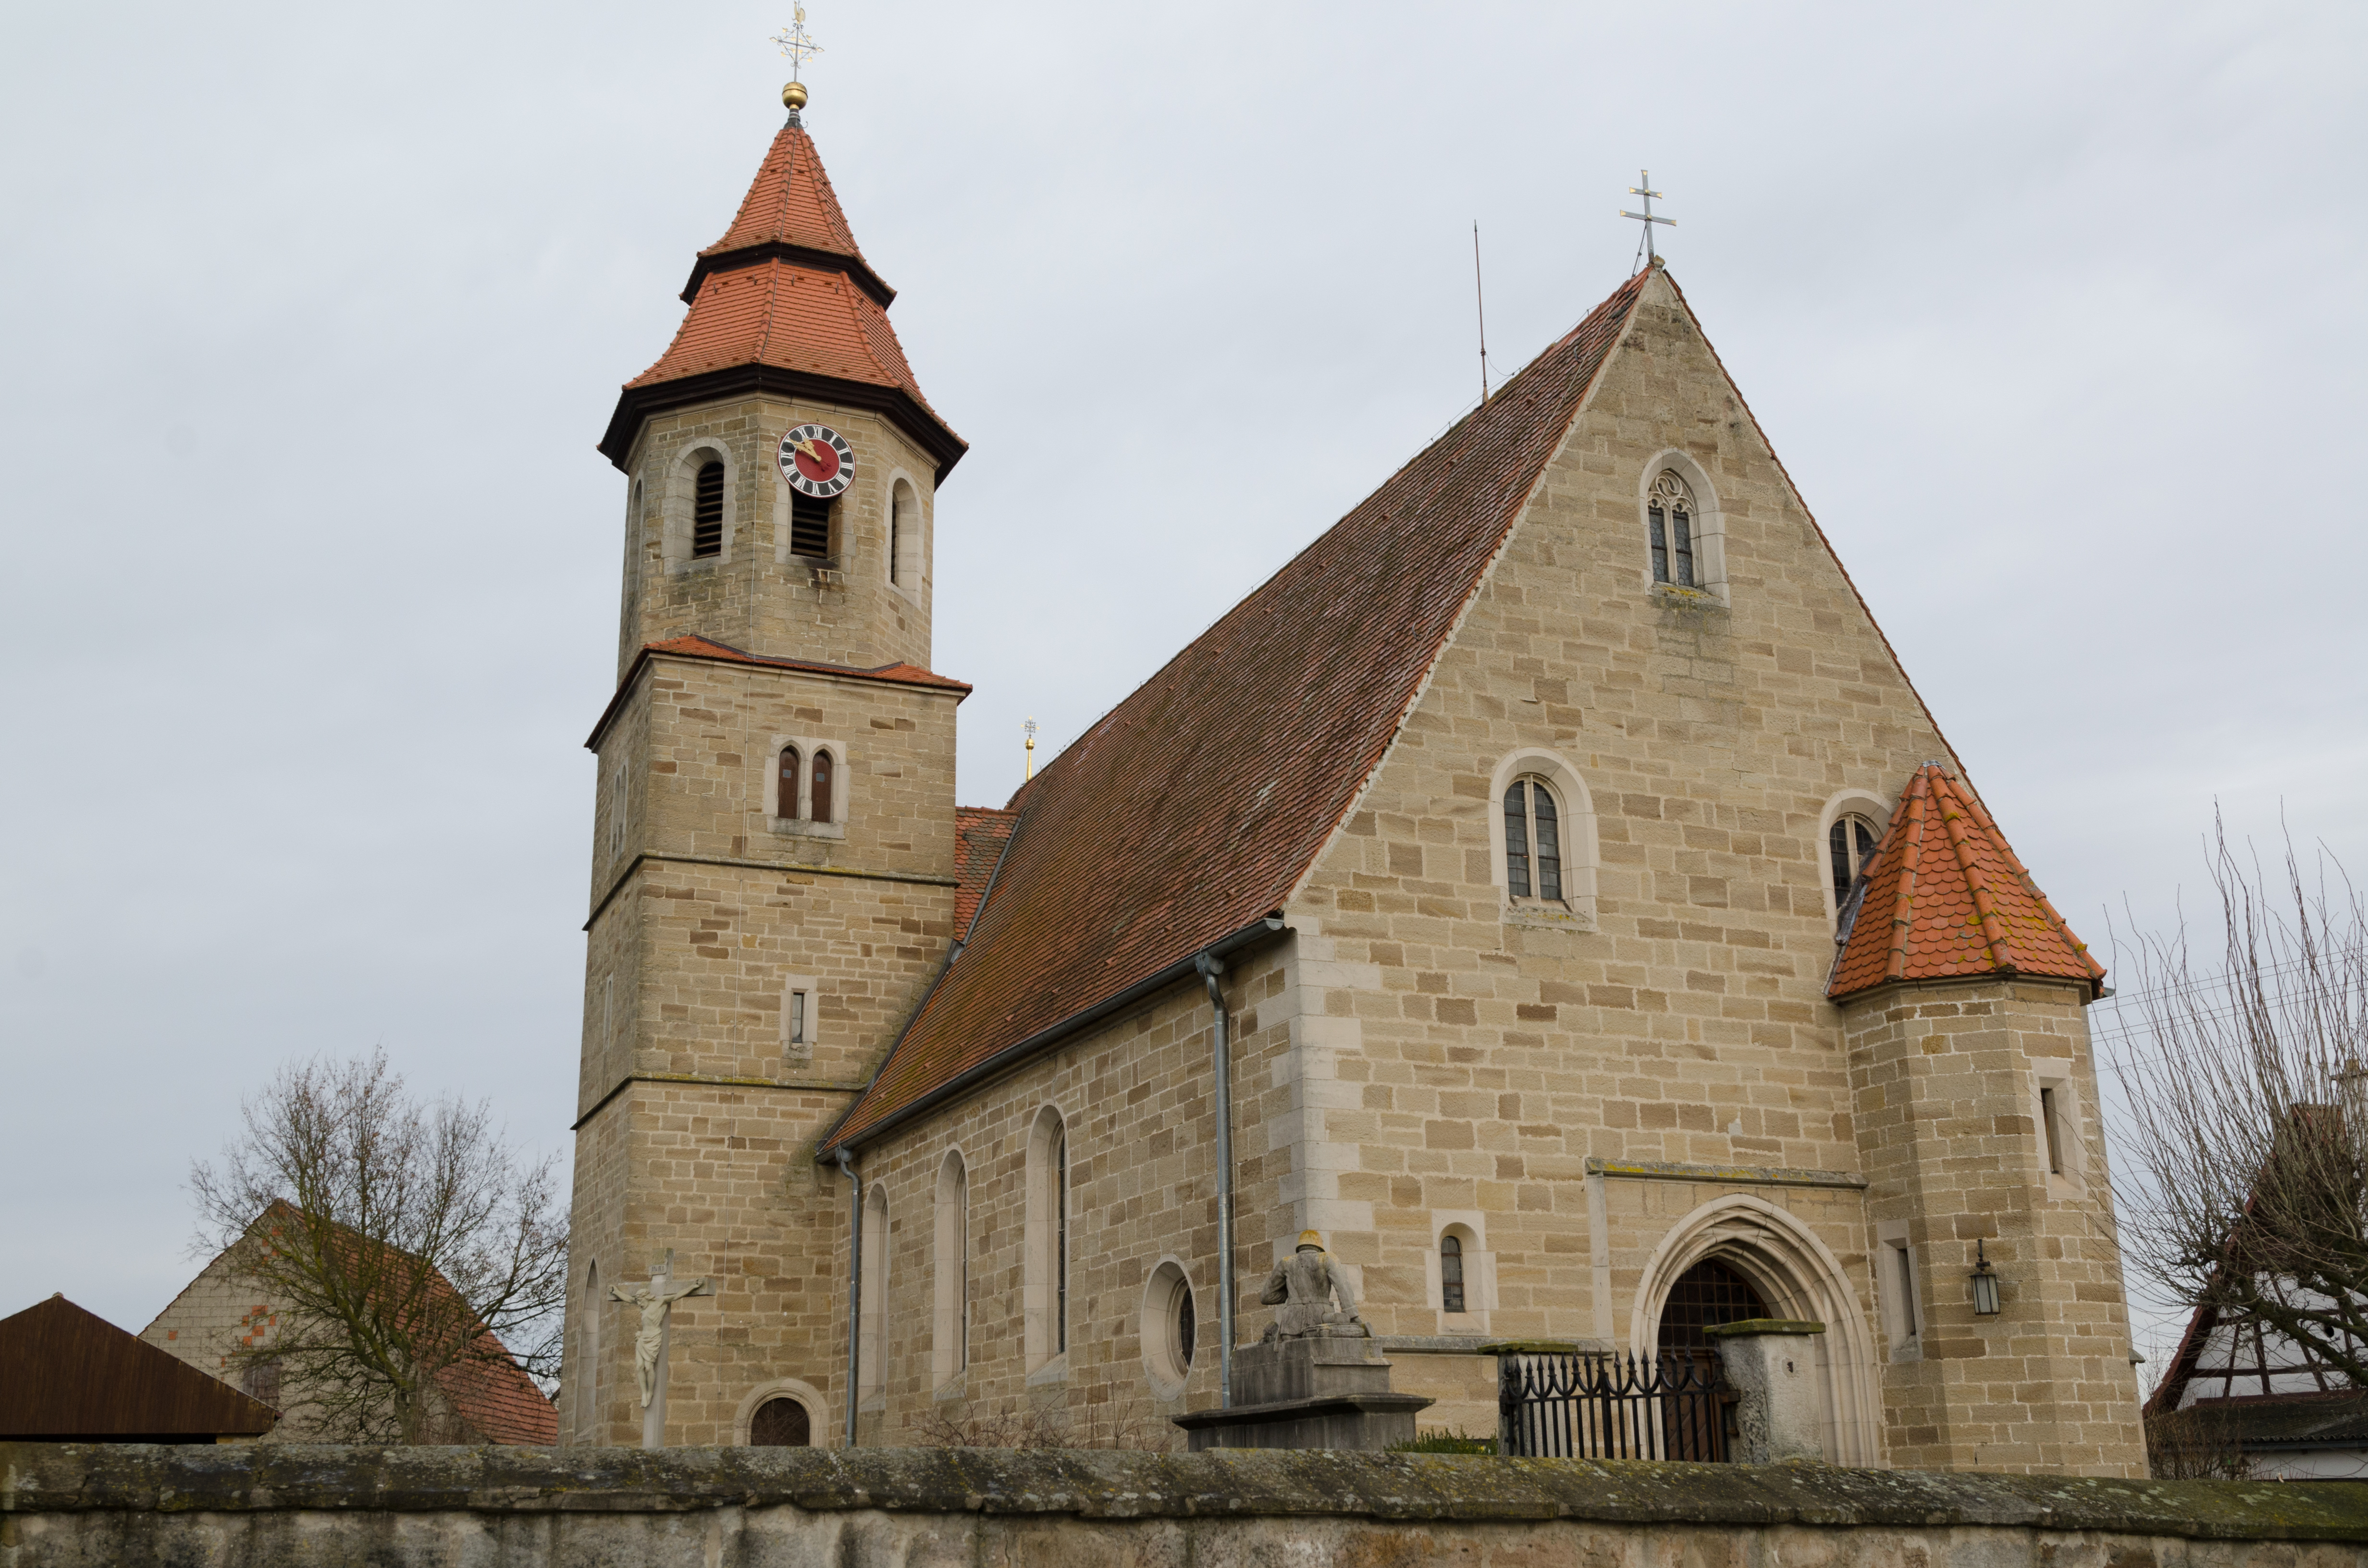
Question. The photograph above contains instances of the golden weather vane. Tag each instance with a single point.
(796, 44)
(798, 47)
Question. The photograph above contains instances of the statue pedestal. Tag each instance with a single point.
(1308, 1394)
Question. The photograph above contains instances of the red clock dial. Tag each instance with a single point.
(816, 460)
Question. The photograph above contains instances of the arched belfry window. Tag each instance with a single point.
(1849, 844)
(707, 511)
(823, 768)
(1669, 520)
(1532, 841)
(785, 796)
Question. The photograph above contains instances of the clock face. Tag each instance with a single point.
(816, 460)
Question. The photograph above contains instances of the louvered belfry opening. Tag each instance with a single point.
(809, 527)
(707, 512)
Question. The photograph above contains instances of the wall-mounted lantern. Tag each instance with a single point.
(1986, 1284)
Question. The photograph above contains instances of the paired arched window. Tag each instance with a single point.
(1849, 844)
(707, 511)
(1451, 1273)
(1532, 841)
(805, 785)
(1669, 520)
(1045, 1284)
(823, 771)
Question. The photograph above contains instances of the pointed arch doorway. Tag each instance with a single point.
(1764, 1263)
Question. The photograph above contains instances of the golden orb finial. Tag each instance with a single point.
(793, 95)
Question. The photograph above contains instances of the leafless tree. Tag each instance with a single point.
(2244, 1074)
(399, 1241)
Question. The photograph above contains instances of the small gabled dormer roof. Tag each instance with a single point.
(786, 302)
(1945, 898)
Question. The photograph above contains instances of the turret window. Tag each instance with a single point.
(1669, 520)
(809, 527)
(1450, 1274)
(707, 511)
(1532, 841)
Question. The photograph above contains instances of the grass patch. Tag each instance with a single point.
(1440, 1441)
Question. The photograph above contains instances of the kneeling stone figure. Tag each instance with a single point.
(1302, 1287)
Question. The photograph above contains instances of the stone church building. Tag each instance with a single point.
(1548, 886)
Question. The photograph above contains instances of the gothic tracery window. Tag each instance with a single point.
(1669, 518)
(1532, 841)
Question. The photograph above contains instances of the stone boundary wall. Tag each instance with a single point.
(276, 1505)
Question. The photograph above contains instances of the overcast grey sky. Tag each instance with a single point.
(312, 315)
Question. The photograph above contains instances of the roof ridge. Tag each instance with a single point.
(1258, 736)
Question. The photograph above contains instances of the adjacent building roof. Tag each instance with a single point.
(1196, 805)
(66, 1373)
(786, 302)
(1945, 898)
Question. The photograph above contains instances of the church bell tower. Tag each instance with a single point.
(773, 840)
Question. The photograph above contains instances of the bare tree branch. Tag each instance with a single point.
(2245, 1093)
(399, 1242)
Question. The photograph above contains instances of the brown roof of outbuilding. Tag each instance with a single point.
(1945, 897)
(65, 1372)
(1195, 806)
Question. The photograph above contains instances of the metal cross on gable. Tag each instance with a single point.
(795, 43)
(1644, 188)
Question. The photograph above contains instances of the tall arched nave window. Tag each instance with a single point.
(1532, 841)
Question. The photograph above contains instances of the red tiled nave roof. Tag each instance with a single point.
(1197, 803)
(1945, 897)
(980, 834)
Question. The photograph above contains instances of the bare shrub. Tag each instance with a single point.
(398, 1242)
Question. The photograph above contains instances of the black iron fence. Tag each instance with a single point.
(1554, 1404)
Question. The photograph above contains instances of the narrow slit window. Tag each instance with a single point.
(785, 799)
(1532, 841)
(1850, 844)
(809, 527)
(1060, 1242)
(896, 537)
(1450, 1274)
(707, 512)
(800, 1019)
(2050, 1114)
(823, 769)
(1669, 522)
(1906, 1293)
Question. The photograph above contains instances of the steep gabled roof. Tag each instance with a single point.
(1945, 897)
(65, 1372)
(786, 302)
(1197, 803)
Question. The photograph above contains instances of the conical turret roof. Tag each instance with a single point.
(785, 302)
(1945, 898)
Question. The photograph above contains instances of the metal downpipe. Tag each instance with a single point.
(854, 1287)
(1211, 966)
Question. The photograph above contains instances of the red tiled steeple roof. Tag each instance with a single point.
(1945, 897)
(1199, 802)
(693, 646)
(786, 301)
